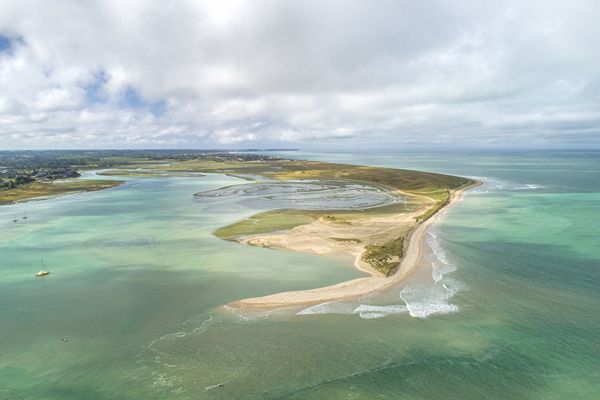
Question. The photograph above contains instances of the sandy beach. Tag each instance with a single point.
(312, 238)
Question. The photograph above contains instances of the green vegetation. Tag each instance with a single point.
(336, 219)
(42, 189)
(415, 182)
(346, 240)
(144, 173)
(386, 257)
(265, 222)
(442, 199)
(241, 164)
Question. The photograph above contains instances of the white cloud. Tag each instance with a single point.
(238, 73)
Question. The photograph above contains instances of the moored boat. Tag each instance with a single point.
(43, 271)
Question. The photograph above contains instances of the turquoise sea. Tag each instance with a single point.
(505, 306)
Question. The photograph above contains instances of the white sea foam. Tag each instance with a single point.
(495, 184)
(440, 265)
(527, 186)
(329, 308)
(391, 309)
(424, 297)
(154, 345)
(423, 300)
(372, 315)
(453, 286)
(203, 325)
(366, 311)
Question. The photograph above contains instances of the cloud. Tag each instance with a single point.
(299, 73)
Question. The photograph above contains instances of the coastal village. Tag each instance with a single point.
(21, 168)
(11, 178)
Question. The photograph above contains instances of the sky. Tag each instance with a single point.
(305, 74)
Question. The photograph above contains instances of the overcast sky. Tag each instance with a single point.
(307, 74)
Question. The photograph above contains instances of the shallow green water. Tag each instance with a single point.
(137, 281)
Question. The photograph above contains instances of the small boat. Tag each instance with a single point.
(24, 216)
(15, 219)
(43, 271)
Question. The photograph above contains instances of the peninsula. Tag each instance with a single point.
(385, 241)
(381, 234)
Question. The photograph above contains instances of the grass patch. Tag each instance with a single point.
(442, 199)
(345, 240)
(148, 173)
(386, 257)
(336, 219)
(42, 189)
(409, 181)
(265, 222)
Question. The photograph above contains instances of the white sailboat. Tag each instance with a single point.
(43, 271)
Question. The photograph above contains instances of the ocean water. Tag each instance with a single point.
(505, 306)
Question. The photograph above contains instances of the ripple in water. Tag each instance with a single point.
(306, 195)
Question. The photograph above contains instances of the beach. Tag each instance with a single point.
(310, 238)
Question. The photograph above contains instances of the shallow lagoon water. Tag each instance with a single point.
(305, 195)
(137, 281)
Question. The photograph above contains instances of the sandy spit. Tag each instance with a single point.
(356, 287)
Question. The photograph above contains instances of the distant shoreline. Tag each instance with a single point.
(39, 191)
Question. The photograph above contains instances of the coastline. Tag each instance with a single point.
(54, 189)
(360, 286)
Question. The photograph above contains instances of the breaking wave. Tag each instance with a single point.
(365, 311)
(440, 264)
(422, 297)
(423, 300)
(495, 184)
(329, 308)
